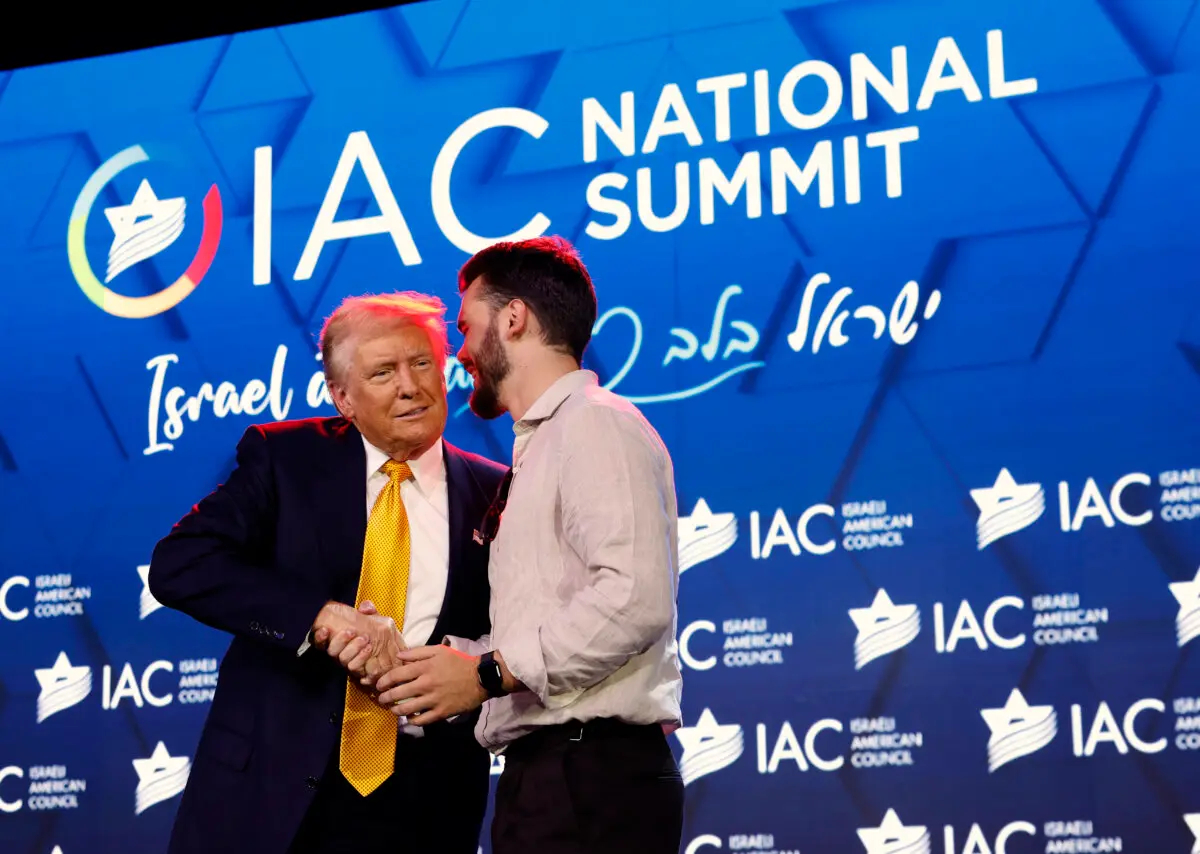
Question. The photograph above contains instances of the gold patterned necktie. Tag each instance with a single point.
(368, 749)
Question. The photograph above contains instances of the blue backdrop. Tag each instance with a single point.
(908, 287)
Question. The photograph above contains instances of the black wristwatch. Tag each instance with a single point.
(490, 675)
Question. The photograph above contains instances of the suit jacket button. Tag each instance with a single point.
(278, 635)
(312, 782)
(254, 626)
(333, 717)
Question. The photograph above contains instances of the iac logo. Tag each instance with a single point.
(708, 747)
(883, 628)
(863, 525)
(140, 230)
(1019, 729)
(148, 225)
(894, 837)
(161, 777)
(823, 746)
(1056, 619)
(1016, 837)
(62, 686)
(1007, 507)
(875, 743)
(705, 535)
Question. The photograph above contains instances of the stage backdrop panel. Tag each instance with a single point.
(909, 288)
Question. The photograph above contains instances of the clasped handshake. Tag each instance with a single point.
(424, 685)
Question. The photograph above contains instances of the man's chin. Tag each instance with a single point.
(486, 406)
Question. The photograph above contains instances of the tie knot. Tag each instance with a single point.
(397, 471)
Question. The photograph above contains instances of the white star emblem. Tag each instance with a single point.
(893, 837)
(1193, 823)
(708, 746)
(1187, 622)
(704, 535)
(148, 603)
(63, 686)
(1018, 729)
(1006, 507)
(142, 228)
(160, 777)
(883, 628)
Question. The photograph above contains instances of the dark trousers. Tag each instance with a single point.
(435, 801)
(601, 788)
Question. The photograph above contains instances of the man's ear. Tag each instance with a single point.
(341, 401)
(517, 320)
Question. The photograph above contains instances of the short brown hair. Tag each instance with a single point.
(547, 274)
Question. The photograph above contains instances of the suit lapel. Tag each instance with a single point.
(343, 506)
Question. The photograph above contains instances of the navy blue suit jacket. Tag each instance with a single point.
(258, 558)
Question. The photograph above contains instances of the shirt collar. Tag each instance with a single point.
(428, 468)
(554, 397)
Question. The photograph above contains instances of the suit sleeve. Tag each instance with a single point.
(216, 565)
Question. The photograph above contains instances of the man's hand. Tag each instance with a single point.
(363, 641)
(431, 684)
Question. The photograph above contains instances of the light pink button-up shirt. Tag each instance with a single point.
(585, 569)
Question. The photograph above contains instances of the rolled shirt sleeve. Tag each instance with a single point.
(467, 646)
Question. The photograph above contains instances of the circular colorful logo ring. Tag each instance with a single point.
(170, 296)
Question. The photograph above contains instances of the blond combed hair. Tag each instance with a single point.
(373, 311)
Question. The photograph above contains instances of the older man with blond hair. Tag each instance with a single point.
(332, 545)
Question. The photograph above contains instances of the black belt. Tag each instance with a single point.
(576, 731)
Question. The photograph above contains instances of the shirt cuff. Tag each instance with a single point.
(305, 645)
(525, 661)
(469, 647)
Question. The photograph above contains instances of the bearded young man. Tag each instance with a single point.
(578, 679)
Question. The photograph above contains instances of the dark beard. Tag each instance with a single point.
(491, 367)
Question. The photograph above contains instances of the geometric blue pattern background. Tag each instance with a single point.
(1051, 237)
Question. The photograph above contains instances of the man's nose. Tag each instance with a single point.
(461, 351)
(406, 383)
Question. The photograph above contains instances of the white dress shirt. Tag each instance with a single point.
(427, 505)
(584, 569)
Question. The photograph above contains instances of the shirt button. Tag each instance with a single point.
(311, 781)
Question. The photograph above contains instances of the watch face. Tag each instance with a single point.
(491, 677)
